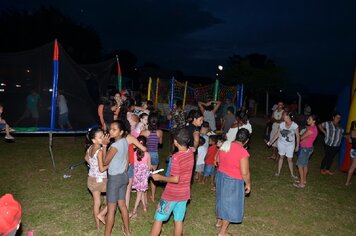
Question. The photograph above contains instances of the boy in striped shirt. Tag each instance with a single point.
(177, 191)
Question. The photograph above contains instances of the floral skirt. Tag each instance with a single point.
(140, 179)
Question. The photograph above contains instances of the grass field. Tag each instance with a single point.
(53, 205)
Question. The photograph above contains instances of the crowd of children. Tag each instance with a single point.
(123, 153)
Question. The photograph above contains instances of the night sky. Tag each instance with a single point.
(314, 40)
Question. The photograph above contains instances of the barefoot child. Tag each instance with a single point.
(142, 168)
(177, 191)
(154, 138)
(117, 159)
(97, 177)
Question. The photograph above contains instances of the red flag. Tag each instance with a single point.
(56, 52)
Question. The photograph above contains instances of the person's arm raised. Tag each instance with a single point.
(217, 105)
(201, 106)
(101, 165)
(132, 140)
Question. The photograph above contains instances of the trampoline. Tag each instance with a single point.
(81, 85)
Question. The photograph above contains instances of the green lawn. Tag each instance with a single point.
(53, 205)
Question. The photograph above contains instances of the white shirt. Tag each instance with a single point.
(202, 151)
(231, 134)
(287, 135)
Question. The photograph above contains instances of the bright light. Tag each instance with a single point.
(28, 71)
(217, 74)
(3, 84)
(2, 90)
(220, 67)
(280, 90)
(50, 90)
(18, 85)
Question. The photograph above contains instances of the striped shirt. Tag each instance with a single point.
(333, 135)
(182, 166)
(153, 141)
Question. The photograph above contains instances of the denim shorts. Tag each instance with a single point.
(303, 157)
(209, 170)
(230, 198)
(2, 126)
(116, 187)
(130, 171)
(165, 209)
(154, 158)
(353, 153)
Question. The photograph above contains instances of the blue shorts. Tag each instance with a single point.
(154, 158)
(303, 157)
(353, 153)
(165, 209)
(130, 171)
(209, 170)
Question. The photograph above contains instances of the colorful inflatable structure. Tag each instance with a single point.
(344, 155)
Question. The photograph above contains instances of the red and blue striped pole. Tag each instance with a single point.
(54, 85)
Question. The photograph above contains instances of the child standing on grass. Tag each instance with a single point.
(154, 138)
(209, 168)
(4, 125)
(142, 168)
(97, 177)
(199, 166)
(177, 191)
(117, 160)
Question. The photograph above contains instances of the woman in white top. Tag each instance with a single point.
(288, 142)
(241, 122)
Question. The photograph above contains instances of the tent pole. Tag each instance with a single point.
(54, 98)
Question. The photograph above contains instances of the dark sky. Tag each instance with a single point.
(314, 40)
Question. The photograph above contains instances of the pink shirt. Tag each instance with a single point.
(144, 159)
(229, 162)
(308, 141)
(182, 166)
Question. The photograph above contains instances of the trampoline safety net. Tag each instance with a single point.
(32, 70)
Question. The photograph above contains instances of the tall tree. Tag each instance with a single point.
(256, 71)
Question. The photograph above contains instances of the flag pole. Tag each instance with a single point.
(119, 77)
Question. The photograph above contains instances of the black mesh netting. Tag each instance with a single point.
(33, 70)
